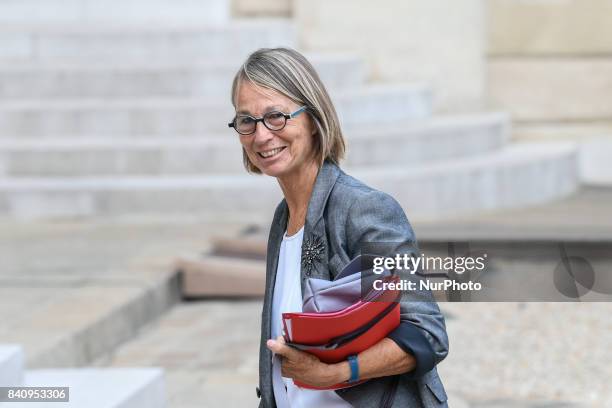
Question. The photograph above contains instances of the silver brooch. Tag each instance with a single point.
(312, 250)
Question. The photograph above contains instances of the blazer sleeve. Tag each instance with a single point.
(378, 218)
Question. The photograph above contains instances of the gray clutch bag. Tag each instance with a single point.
(349, 287)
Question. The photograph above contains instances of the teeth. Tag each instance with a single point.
(271, 153)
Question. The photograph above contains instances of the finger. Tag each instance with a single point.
(280, 348)
(275, 347)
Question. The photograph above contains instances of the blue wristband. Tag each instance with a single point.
(354, 364)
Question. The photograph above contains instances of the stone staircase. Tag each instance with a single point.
(95, 388)
(126, 116)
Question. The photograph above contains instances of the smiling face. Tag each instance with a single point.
(278, 153)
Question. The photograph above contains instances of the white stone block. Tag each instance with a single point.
(552, 89)
(11, 365)
(436, 41)
(114, 11)
(559, 131)
(103, 388)
(537, 27)
(595, 164)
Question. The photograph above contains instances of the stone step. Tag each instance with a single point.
(439, 138)
(67, 312)
(83, 79)
(519, 175)
(371, 105)
(253, 248)
(515, 176)
(101, 388)
(221, 276)
(128, 11)
(142, 42)
(11, 365)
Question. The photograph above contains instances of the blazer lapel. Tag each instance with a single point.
(314, 247)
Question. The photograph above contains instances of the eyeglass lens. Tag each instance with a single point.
(272, 120)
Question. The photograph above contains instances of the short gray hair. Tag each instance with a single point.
(288, 72)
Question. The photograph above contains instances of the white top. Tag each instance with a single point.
(288, 298)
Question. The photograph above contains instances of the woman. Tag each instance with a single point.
(289, 129)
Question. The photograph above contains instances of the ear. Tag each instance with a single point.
(313, 126)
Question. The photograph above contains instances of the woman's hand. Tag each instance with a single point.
(307, 368)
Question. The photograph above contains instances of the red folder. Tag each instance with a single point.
(334, 336)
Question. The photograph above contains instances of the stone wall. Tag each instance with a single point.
(436, 41)
(550, 65)
(550, 27)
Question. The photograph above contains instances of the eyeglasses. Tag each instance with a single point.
(274, 120)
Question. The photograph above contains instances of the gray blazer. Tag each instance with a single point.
(343, 213)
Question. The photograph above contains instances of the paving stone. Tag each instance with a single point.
(532, 353)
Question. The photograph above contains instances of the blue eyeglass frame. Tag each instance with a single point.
(287, 116)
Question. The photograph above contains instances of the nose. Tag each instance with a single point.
(262, 135)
